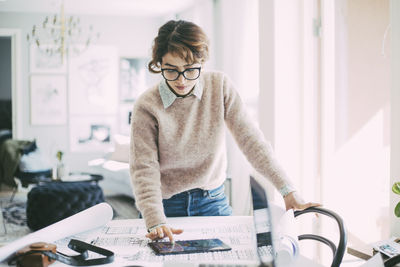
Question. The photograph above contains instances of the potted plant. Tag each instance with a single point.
(60, 169)
(396, 190)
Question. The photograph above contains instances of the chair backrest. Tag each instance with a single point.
(339, 250)
(392, 261)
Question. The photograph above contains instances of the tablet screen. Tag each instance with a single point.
(189, 246)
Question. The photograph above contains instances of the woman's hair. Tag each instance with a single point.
(182, 38)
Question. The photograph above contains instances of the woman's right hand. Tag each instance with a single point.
(162, 231)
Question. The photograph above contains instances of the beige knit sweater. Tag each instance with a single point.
(182, 147)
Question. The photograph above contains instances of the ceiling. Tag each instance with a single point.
(98, 7)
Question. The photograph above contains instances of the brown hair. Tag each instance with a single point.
(182, 38)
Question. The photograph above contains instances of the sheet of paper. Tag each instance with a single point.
(126, 238)
(83, 221)
(375, 261)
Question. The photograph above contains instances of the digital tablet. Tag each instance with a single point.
(189, 246)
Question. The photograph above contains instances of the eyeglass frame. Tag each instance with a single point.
(181, 73)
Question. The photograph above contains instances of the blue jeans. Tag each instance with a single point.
(198, 202)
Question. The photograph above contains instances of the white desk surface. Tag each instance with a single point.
(126, 238)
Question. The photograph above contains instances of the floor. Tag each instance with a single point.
(123, 206)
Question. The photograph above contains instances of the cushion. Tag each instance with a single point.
(34, 161)
(121, 148)
(52, 202)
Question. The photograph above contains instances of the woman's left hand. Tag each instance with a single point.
(295, 202)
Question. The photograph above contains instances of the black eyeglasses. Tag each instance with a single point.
(189, 74)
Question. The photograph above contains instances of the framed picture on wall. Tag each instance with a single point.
(93, 81)
(134, 78)
(48, 95)
(44, 62)
(91, 133)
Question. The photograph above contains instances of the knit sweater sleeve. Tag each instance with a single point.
(144, 165)
(251, 140)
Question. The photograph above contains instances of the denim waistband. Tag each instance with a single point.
(198, 190)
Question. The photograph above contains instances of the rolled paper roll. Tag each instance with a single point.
(287, 251)
(85, 220)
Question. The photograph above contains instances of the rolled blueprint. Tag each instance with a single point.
(286, 237)
(85, 220)
(287, 251)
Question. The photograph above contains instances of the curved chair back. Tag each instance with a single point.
(338, 252)
(392, 261)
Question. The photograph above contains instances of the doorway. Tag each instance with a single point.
(10, 118)
(5, 84)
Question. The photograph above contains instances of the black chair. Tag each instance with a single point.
(338, 252)
(392, 261)
(31, 177)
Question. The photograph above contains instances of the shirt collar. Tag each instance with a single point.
(168, 97)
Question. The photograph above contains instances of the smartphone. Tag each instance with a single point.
(189, 246)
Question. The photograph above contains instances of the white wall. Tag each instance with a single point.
(334, 132)
(356, 102)
(395, 113)
(128, 34)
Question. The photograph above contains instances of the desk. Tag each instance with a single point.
(126, 239)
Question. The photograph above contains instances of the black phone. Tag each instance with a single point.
(189, 246)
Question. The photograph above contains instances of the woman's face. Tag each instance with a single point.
(180, 86)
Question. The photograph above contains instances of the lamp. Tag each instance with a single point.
(61, 35)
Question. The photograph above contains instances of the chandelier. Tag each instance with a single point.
(62, 35)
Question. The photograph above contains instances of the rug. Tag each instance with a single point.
(12, 218)
(13, 222)
(14, 213)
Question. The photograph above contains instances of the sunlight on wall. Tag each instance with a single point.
(356, 184)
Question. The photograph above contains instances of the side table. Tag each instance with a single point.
(81, 177)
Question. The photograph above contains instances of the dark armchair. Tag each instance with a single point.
(339, 250)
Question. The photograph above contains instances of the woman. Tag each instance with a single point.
(178, 154)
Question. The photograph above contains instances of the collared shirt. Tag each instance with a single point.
(168, 97)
